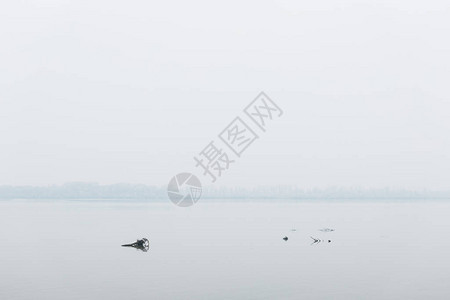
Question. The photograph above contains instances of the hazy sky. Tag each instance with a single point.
(130, 91)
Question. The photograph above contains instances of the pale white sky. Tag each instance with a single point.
(130, 91)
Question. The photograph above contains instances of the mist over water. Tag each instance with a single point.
(345, 195)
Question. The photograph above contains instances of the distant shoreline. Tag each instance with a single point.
(142, 192)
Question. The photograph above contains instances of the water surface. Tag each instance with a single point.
(71, 250)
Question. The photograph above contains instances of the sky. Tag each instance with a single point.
(115, 91)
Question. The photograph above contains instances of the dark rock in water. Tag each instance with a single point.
(285, 238)
(142, 244)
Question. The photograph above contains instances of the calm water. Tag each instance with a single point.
(71, 250)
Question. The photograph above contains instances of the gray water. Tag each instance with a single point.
(71, 250)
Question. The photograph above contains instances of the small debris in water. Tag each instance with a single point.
(326, 230)
(317, 241)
